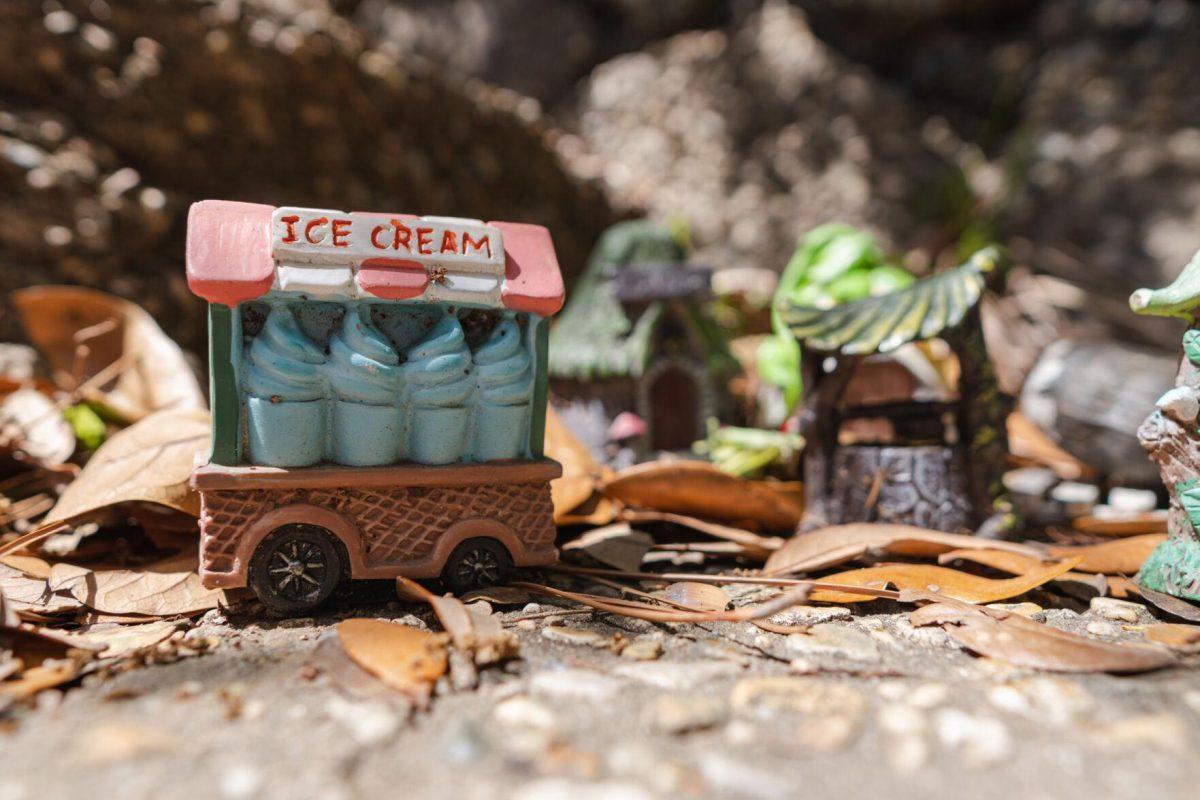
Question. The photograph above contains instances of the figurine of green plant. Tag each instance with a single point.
(1171, 435)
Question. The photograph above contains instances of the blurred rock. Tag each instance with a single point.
(753, 136)
(1091, 396)
(537, 47)
(116, 116)
(1112, 149)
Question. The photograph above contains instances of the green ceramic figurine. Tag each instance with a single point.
(1172, 437)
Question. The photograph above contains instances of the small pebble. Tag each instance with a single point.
(1119, 610)
(1102, 628)
(578, 684)
(675, 714)
(577, 636)
(834, 640)
(981, 740)
(1031, 610)
(643, 648)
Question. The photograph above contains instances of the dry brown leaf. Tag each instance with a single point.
(1026, 440)
(1120, 557)
(25, 593)
(596, 510)
(697, 488)
(615, 545)
(1175, 606)
(944, 581)
(698, 596)
(120, 641)
(827, 547)
(31, 566)
(580, 470)
(471, 630)
(149, 461)
(31, 423)
(407, 659)
(1175, 636)
(1025, 643)
(121, 591)
(499, 596)
(754, 545)
(136, 367)
(1138, 524)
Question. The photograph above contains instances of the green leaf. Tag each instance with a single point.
(89, 428)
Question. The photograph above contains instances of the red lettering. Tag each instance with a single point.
(341, 232)
(485, 243)
(402, 237)
(316, 223)
(290, 221)
(449, 243)
(378, 229)
(424, 239)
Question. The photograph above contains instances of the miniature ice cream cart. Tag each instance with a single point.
(378, 386)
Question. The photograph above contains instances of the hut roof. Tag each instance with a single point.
(919, 311)
(596, 336)
(1179, 299)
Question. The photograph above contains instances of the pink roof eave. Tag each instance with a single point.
(229, 260)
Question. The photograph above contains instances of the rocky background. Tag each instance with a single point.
(1067, 129)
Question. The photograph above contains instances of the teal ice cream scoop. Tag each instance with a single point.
(363, 366)
(438, 371)
(504, 370)
(283, 364)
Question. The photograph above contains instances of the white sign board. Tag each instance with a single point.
(318, 236)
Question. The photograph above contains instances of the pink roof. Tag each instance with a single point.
(229, 261)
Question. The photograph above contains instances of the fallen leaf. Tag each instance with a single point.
(32, 566)
(580, 470)
(121, 641)
(615, 545)
(944, 581)
(1174, 606)
(1138, 524)
(128, 363)
(499, 596)
(407, 659)
(1026, 440)
(596, 510)
(1120, 557)
(32, 424)
(1175, 636)
(331, 658)
(25, 593)
(697, 488)
(471, 630)
(150, 461)
(1018, 564)
(1021, 641)
(754, 545)
(121, 591)
(698, 596)
(827, 547)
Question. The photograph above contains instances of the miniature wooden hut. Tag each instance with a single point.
(635, 337)
(933, 462)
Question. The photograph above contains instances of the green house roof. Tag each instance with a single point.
(921, 310)
(1179, 299)
(594, 336)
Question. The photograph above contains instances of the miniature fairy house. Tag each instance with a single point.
(635, 339)
(1172, 438)
(878, 450)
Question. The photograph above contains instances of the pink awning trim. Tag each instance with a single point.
(532, 280)
(392, 279)
(229, 260)
(229, 251)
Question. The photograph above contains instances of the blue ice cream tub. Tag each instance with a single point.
(439, 435)
(365, 436)
(500, 432)
(285, 434)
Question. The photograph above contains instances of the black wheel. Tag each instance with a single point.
(296, 568)
(476, 564)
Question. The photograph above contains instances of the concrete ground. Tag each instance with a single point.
(864, 705)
